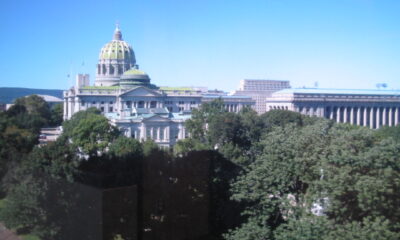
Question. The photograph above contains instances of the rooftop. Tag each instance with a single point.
(340, 91)
(100, 87)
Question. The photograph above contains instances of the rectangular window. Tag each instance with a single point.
(181, 102)
(102, 102)
(83, 103)
(180, 109)
(93, 103)
(128, 104)
(110, 109)
(111, 102)
(153, 104)
(102, 109)
(192, 102)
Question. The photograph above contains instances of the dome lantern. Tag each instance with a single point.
(117, 33)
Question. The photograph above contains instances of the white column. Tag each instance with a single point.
(345, 115)
(352, 115)
(371, 118)
(384, 117)
(396, 116)
(331, 112)
(390, 116)
(143, 132)
(365, 117)
(167, 133)
(158, 133)
(338, 115)
(70, 107)
(65, 109)
(358, 116)
(378, 117)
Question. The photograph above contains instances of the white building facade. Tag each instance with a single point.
(259, 90)
(370, 108)
(141, 110)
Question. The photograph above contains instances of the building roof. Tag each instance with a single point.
(49, 98)
(339, 91)
(134, 71)
(118, 49)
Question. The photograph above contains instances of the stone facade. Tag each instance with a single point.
(138, 108)
(259, 90)
(371, 108)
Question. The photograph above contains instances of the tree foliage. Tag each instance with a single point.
(90, 132)
(350, 172)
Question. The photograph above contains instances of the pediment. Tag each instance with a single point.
(156, 118)
(141, 92)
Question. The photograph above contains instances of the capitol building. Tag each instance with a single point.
(142, 110)
(139, 108)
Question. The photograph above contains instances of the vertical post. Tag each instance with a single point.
(396, 116)
(338, 114)
(365, 121)
(352, 115)
(65, 109)
(384, 117)
(378, 117)
(331, 112)
(358, 116)
(390, 116)
(371, 118)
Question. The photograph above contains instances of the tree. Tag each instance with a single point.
(31, 112)
(201, 117)
(355, 172)
(40, 199)
(281, 118)
(19, 132)
(56, 117)
(90, 132)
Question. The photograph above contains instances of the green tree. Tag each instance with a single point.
(201, 117)
(355, 172)
(56, 117)
(90, 132)
(40, 200)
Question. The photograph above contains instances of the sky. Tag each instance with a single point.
(213, 43)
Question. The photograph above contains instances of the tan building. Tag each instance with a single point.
(259, 90)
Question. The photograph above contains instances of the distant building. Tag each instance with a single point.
(259, 90)
(371, 108)
(49, 135)
(140, 109)
(51, 101)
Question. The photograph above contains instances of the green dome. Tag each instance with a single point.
(117, 49)
(134, 72)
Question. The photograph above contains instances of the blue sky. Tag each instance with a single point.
(214, 43)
